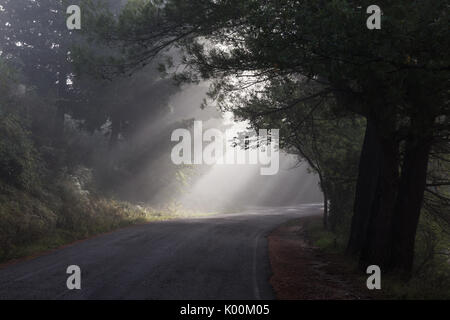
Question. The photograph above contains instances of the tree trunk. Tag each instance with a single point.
(325, 210)
(410, 197)
(366, 188)
(325, 200)
(377, 246)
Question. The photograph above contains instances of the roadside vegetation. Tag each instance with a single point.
(33, 222)
(431, 276)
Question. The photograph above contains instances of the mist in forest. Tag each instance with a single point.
(207, 187)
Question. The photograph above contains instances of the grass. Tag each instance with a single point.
(323, 239)
(30, 225)
(60, 237)
(430, 283)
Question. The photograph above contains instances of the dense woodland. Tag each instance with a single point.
(367, 110)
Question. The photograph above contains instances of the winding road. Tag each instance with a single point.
(220, 257)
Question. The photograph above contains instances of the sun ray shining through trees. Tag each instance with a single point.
(350, 98)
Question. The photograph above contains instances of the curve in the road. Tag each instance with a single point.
(220, 257)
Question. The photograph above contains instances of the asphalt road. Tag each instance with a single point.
(219, 257)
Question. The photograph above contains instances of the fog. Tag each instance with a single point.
(216, 187)
(121, 128)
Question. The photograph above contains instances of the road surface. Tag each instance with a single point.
(221, 257)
